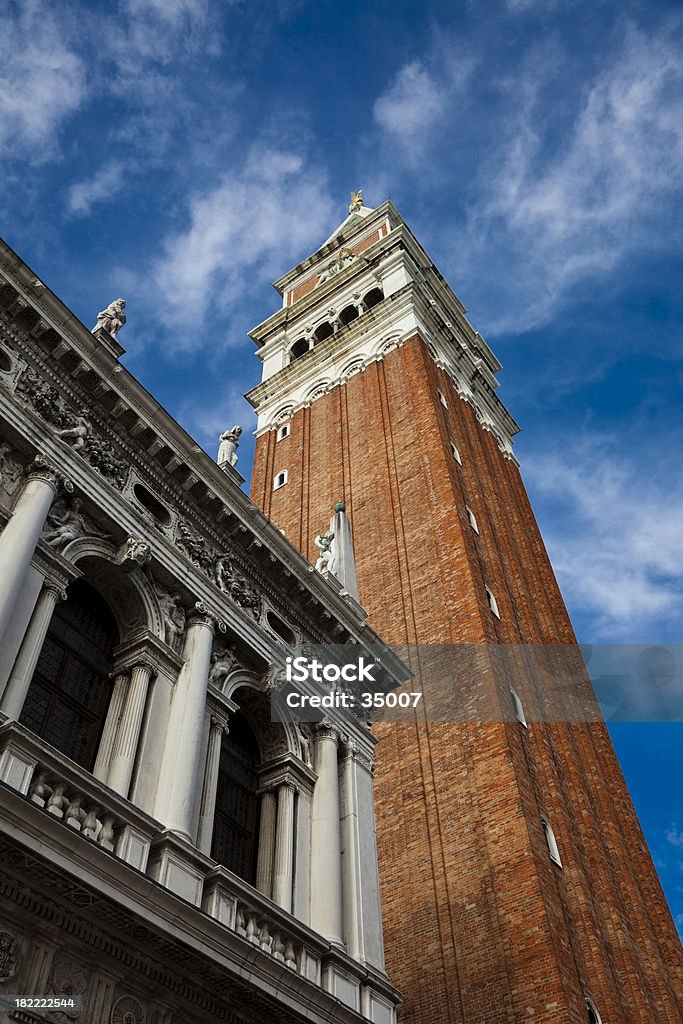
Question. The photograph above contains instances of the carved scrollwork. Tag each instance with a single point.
(43, 469)
(201, 613)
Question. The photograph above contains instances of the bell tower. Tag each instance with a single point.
(516, 884)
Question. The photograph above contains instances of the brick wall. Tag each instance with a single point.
(480, 924)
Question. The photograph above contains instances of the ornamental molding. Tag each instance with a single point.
(102, 435)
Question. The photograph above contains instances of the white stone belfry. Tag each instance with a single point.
(336, 552)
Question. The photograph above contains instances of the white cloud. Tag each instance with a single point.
(526, 5)
(206, 420)
(541, 224)
(674, 836)
(411, 105)
(243, 230)
(615, 536)
(41, 80)
(101, 187)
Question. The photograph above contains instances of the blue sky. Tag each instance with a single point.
(184, 154)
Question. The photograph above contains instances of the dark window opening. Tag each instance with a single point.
(322, 332)
(348, 315)
(281, 628)
(235, 826)
(299, 348)
(154, 507)
(69, 694)
(5, 361)
(373, 298)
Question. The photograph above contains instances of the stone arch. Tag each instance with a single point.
(130, 595)
(318, 389)
(248, 690)
(387, 343)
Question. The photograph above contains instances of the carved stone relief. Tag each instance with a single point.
(222, 663)
(127, 1010)
(134, 553)
(9, 956)
(10, 469)
(67, 979)
(173, 617)
(72, 427)
(220, 568)
(65, 522)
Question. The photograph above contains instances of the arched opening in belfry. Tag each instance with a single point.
(236, 819)
(69, 695)
(323, 331)
(348, 315)
(373, 298)
(299, 348)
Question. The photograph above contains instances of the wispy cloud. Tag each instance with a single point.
(674, 836)
(551, 195)
(247, 226)
(558, 220)
(421, 94)
(615, 536)
(411, 104)
(42, 80)
(102, 186)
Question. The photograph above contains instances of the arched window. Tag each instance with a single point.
(348, 315)
(235, 824)
(325, 330)
(593, 1015)
(299, 348)
(373, 297)
(69, 694)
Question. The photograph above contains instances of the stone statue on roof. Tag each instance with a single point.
(111, 319)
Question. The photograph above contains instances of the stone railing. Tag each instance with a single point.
(73, 796)
(68, 794)
(245, 911)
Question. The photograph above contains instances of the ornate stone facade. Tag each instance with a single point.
(143, 602)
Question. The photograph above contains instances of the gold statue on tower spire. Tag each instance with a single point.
(356, 201)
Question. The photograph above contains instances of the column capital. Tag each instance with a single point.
(353, 752)
(144, 663)
(327, 730)
(219, 721)
(201, 616)
(46, 470)
(57, 586)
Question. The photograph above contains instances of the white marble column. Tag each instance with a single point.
(111, 726)
(326, 883)
(266, 844)
(217, 729)
(360, 878)
(13, 698)
(180, 775)
(19, 538)
(284, 847)
(128, 733)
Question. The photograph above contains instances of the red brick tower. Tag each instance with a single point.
(516, 884)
